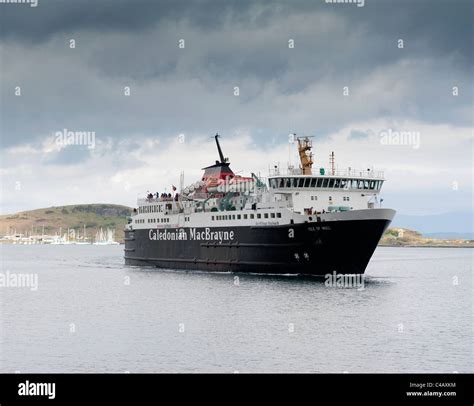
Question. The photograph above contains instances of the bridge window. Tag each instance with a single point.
(307, 182)
(319, 182)
(331, 183)
(280, 182)
(337, 183)
(325, 182)
(313, 182)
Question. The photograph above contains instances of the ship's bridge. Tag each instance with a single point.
(327, 190)
(350, 179)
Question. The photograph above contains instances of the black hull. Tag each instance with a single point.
(344, 247)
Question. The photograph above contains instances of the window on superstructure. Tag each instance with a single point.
(279, 215)
(287, 182)
(259, 216)
(307, 182)
(265, 215)
(337, 183)
(239, 217)
(280, 182)
(212, 218)
(325, 182)
(233, 216)
(300, 182)
(245, 217)
(331, 183)
(313, 182)
(252, 216)
(319, 182)
(272, 215)
(366, 184)
(372, 184)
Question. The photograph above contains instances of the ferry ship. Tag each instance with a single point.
(297, 221)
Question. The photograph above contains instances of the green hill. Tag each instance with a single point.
(93, 216)
(404, 237)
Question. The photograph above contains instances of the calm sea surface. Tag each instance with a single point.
(91, 313)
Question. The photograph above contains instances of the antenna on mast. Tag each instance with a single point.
(332, 163)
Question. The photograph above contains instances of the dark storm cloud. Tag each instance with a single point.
(445, 25)
(228, 44)
(120, 15)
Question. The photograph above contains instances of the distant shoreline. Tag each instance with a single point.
(426, 246)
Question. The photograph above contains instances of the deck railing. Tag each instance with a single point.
(327, 172)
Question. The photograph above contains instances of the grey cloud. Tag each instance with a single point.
(232, 43)
(357, 134)
(69, 155)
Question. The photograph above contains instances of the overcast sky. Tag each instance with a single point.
(423, 86)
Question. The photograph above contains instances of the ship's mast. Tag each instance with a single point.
(306, 156)
(221, 155)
